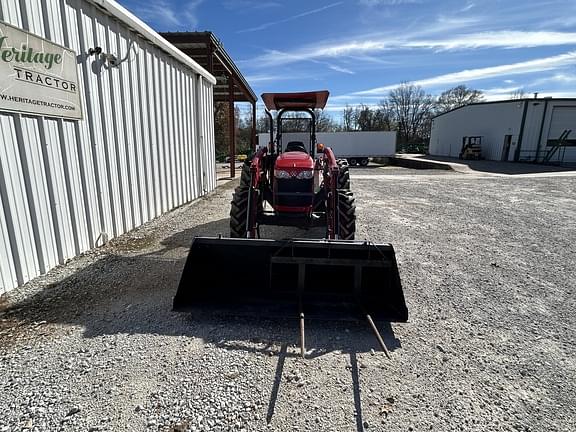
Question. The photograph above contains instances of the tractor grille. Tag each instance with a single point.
(294, 192)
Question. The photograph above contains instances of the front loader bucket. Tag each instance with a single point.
(331, 279)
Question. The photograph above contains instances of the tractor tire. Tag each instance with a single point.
(364, 162)
(346, 215)
(245, 175)
(343, 175)
(239, 212)
(239, 204)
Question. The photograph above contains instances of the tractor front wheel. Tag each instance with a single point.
(239, 205)
(239, 208)
(346, 215)
(239, 212)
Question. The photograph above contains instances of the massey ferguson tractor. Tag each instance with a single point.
(296, 183)
(302, 190)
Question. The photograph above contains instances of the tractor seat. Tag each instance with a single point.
(295, 146)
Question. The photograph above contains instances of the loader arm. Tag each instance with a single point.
(330, 174)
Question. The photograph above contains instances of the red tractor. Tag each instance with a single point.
(332, 278)
(302, 189)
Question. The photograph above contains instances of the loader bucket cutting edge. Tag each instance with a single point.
(328, 279)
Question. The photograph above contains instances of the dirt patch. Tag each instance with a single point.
(131, 243)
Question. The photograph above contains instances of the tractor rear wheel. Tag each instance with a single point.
(346, 215)
(343, 175)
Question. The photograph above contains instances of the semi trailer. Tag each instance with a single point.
(356, 147)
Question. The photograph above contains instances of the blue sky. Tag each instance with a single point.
(360, 49)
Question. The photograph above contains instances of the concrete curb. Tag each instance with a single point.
(416, 163)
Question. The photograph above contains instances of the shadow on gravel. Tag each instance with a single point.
(278, 380)
(123, 292)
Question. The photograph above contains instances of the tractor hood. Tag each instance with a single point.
(291, 160)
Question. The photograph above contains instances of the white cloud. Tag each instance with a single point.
(561, 78)
(341, 69)
(291, 18)
(499, 93)
(530, 66)
(497, 39)
(250, 4)
(374, 45)
(254, 79)
(494, 95)
(166, 15)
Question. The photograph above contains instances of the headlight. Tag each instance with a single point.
(305, 175)
(281, 174)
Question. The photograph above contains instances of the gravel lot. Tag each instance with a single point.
(488, 267)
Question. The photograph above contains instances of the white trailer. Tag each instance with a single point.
(356, 147)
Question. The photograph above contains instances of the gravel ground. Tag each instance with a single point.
(487, 263)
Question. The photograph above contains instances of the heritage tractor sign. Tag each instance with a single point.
(37, 76)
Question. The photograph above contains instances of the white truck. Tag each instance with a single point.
(356, 147)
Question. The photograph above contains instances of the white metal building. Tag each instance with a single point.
(514, 130)
(139, 143)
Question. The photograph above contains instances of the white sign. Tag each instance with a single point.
(37, 76)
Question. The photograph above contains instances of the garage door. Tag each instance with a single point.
(563, 118)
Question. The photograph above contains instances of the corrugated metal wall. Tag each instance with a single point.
(145, 146)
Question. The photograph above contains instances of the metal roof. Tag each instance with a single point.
(301, 100)
(542, 99)
(133, 22)
(209, 53)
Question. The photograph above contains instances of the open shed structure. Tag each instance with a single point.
(230, 87)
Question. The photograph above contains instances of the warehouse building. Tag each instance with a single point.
(104, 125)
(524, 130)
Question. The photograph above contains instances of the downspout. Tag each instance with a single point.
(541, 131)
(521, 134)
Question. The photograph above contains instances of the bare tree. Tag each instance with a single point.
(518, 94)
(364, 118)
(325, 122)
(383, 116)
(411, 109)
(262, 124)
(456, 97)
(348, 121)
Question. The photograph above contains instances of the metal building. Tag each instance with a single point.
(529, 130)
(119, 133)
(230, 86)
